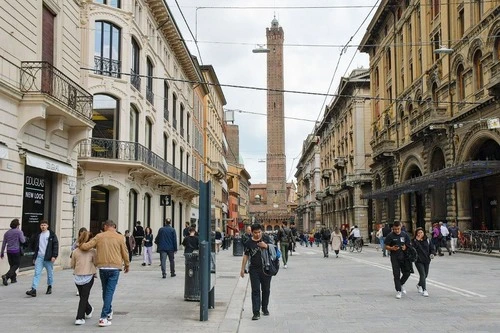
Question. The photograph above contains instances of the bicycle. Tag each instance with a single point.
(355, 245)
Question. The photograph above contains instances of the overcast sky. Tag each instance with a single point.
(313, 50)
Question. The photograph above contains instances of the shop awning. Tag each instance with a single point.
(465, 171)
(49, 164)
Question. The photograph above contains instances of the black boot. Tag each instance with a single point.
(31, 292)
(256, 316)
(49, 290)
(4, 280)
(265, 311)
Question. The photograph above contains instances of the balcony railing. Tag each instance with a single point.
(106, 66)
(135, 80)
(150, 95)
(42, 77)
(135, 152)
(382, 144)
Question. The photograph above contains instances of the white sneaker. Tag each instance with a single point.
(398, 295)
(425, 293)
(103, 322)
(79, 321)
(88, 316)
(285, 266)
(419, 289)
(403, 290)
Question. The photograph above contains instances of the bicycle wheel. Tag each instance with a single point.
(359, 248)
(351, 246)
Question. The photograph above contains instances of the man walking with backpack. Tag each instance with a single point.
(325, 240)
(285, 238)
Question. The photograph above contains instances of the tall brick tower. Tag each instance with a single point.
(276, 159)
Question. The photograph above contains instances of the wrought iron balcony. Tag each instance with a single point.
(107, 67)
(135, 80)
(133, 152)
(40, 77)
(150, 95)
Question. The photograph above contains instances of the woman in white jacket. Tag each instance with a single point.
(336, 241)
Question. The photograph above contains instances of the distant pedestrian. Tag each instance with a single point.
(191, 242)
(111, 257)
(336, 241)
(454, 236)
(425, 254)
(294, 237)
(285, 238)
(12, 240)
(386, 230)
(397, 242)
(74, 246)
(326, 234)
(46, 246)
(258, 280)
(138, 235)
(185, 231)
(148, 246)
(218, 240)
(437, 238)
(84, 270)
(445, 240)
(130, 242)
(166, 240)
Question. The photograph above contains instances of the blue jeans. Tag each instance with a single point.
(382, 245)
(163, 261)
(109, 280)
(39, 265)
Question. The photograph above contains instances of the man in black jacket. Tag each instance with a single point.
(398, 242)
(138, 235)
(46, 247)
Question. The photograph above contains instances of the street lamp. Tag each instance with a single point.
(443, 50)
(261, 49)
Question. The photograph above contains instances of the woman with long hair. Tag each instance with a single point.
(148, 246)
(83, 263)
(425, 253)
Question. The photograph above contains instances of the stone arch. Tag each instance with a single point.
(409, 165)
(473, 140)
(475, 45)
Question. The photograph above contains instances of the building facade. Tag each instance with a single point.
(238, 180)
(309, 193)
(46, 112)
(434, 69)
(137, 166)
(344, 134)
(215, 147)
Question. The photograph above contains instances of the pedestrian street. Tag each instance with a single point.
(355, 293)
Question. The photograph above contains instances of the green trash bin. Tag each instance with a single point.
(192, 280)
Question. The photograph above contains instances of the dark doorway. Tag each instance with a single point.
(99, 208)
